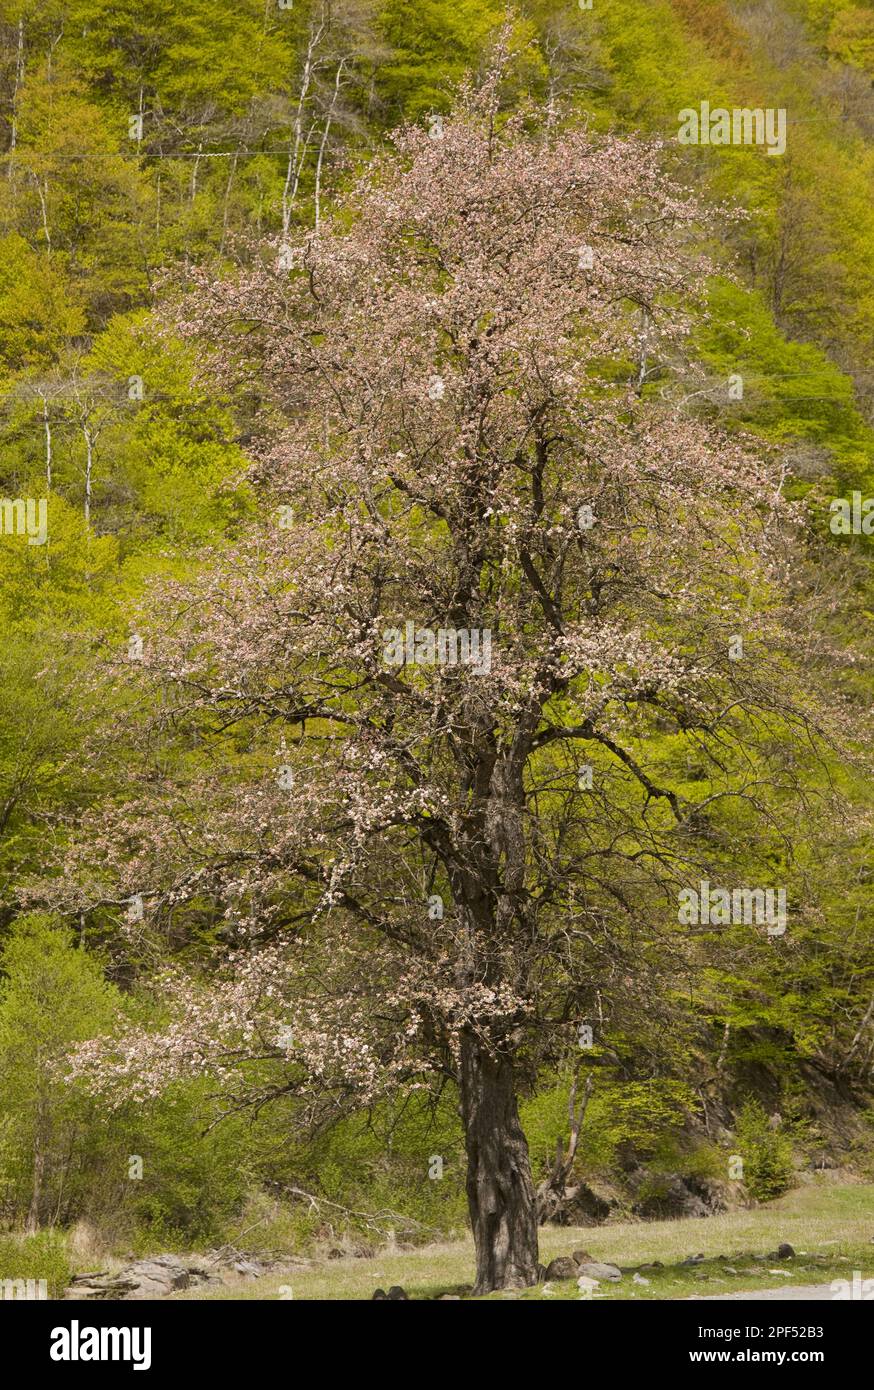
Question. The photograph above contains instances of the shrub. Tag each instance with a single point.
(622, 1119)
(43, 1256)
(766, 1152)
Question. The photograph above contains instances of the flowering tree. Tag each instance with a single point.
(403, 767)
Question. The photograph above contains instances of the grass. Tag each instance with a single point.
(831, 1229)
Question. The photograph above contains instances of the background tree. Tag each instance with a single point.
(51, 996)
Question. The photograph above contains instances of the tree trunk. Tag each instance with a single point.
(551, 1195)
(31, 1225)
(500, 1193)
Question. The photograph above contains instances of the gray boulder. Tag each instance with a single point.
(594, 1270)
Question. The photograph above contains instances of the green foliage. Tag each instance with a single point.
(625, 1121)
(185, 60)
(175, 446)
(41, 1256)
(378, 1163)
(792, 392)
(39, 310)
(433, 43)
(62, 1153)
(62, 583)
(702, 1161)
(851, 36)
(52, 995)
(195, 1174)
(766, 1152)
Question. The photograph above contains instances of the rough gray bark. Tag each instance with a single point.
(500, 1192)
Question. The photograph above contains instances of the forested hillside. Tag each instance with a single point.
(327, 319)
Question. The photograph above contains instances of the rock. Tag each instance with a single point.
(639, 1279)
(579, 1205)
(397, 1294)
(594, 1270)
(96, 1286)
(670, 1196)
(159, 1276)
(693, 1260)
(449, 1298)
(583, 1207)
(587, 1286)
(250, 1270)
(583, 1257)
(153, 1278)
(562, 1267)
(821, 1160)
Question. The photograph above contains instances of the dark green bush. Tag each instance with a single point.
(766, 1153)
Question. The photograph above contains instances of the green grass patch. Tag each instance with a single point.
(830, 1228)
